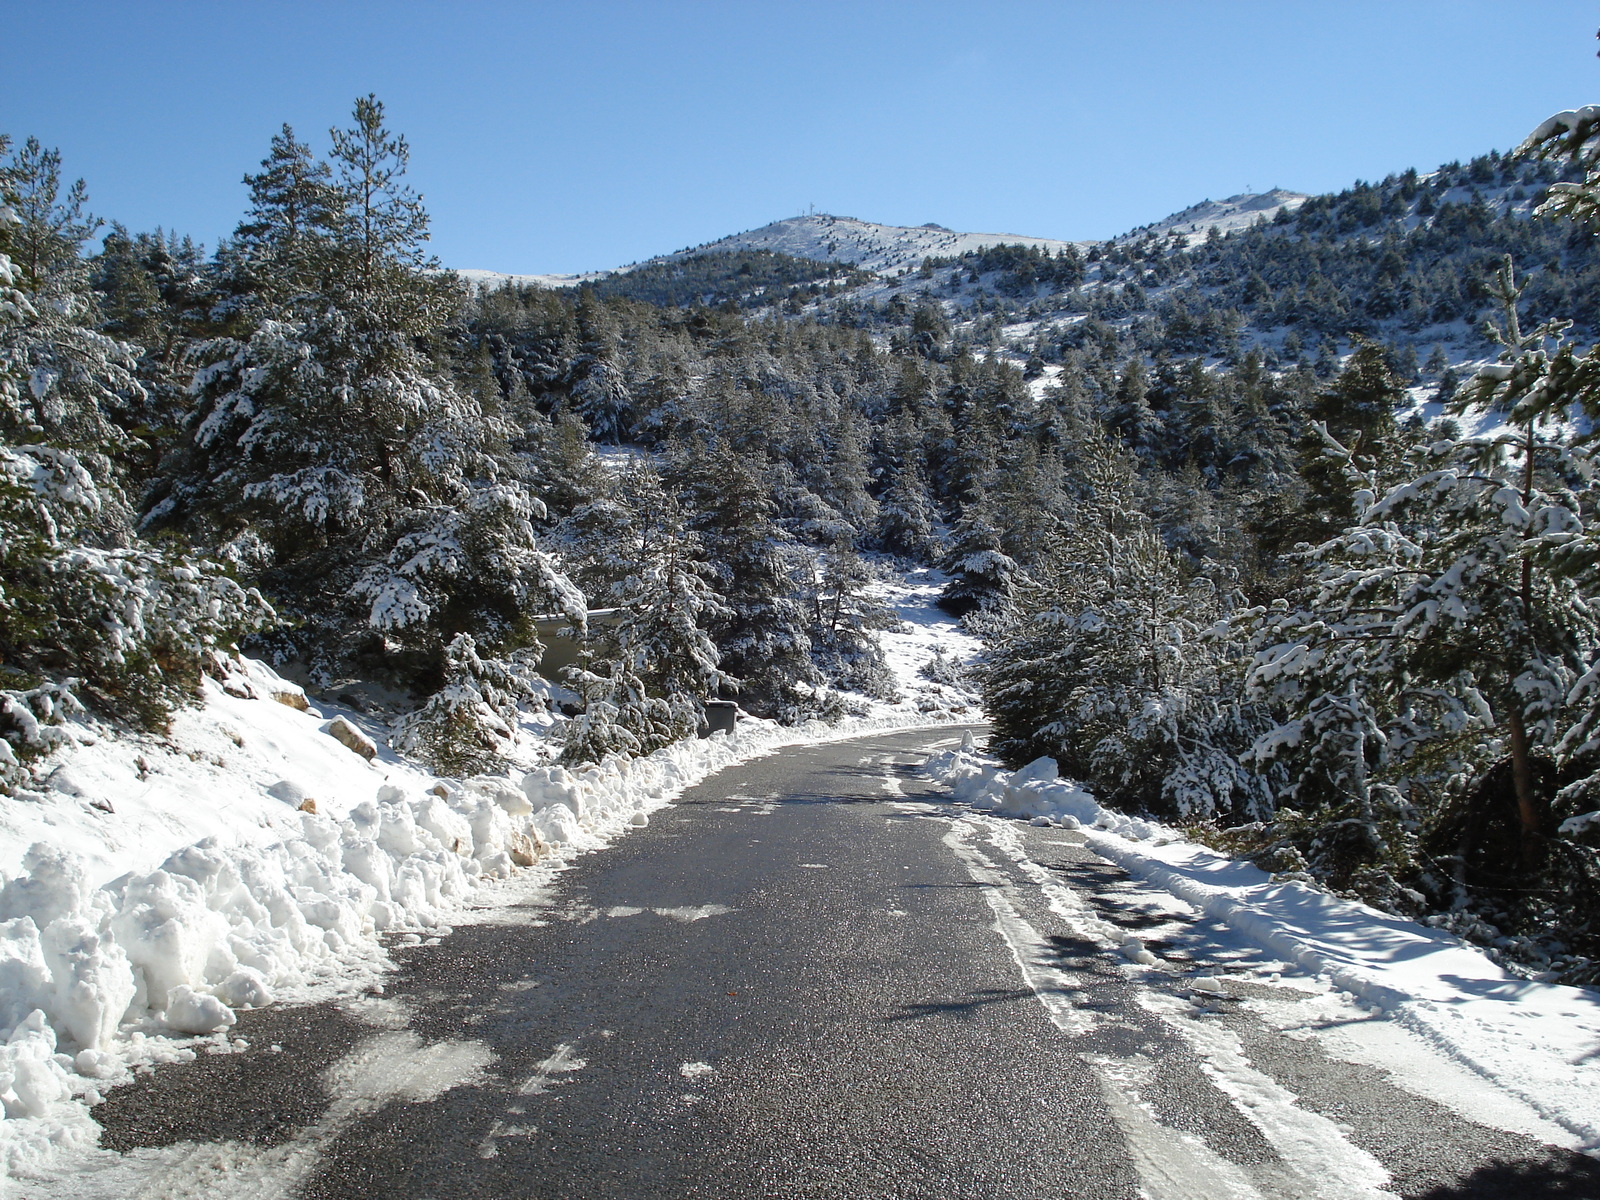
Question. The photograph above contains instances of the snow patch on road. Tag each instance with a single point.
(393, 1066)
(1034, 956)
(1536, 1043)
(1172, 1164)
(690, 914)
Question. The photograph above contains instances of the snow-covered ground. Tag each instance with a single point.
(1197, 221)
(481, 280)
(868, 245)
(153, 885)
(1435, 1013)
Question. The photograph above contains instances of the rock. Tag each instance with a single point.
(523, 852)
(66, 781)
(308, 805)
(349, 736)
(288, 791)
(295, 699)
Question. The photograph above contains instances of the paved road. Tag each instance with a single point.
(806, 980)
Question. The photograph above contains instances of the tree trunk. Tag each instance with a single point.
(1530, 812)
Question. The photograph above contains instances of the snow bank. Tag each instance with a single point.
(1036, 792)
(1539, 1041)
(156, 886)
(151, 887)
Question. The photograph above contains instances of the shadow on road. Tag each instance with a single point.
(959, 1008)
(1567, 1176)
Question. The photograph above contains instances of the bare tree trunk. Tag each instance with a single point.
(1530, 815)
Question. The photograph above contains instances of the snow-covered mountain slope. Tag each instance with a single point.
(893, 249)
(864, 244)
(493, 280)
(886, 249)
(1236, 212)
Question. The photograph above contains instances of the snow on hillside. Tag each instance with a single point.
(480, 280)
(1236, 212)
(891, 249)
(881, 248)
(268, 847)
(825, 238)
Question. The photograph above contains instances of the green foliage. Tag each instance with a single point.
(469, 725)
(747, 278)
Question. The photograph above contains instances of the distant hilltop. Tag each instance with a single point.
(1236, 212)
(881, 248)
(894, 249)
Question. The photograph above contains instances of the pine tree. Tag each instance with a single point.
(469, 725)
(1105, 665)
(333, 458)
(1448, 621)
(983, 576)
(907, 516)
(1349, 424)
(595, 380)
(844, 616)
(87, 613)
(762, 637)
(281, 253)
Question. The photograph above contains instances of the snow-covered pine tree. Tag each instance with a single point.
(653, 663)
(87, 613)
(282, 251)
(907, 516)
(1440, 632)
(1357, 412)
(595, 382)
(334, 457)
(844, 615)
(762, 636)
(468, 726)
(983, 576)
(1107, 664)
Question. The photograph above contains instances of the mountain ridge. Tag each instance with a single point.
(898, 249)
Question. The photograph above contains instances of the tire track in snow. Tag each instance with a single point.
(1319, 1162)
(1034, 956)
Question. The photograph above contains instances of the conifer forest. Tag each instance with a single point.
(1287, 535)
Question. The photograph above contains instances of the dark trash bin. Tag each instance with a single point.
(721, 715)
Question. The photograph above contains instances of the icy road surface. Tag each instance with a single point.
(815, 976)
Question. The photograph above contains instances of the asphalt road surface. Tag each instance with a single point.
(811, 977)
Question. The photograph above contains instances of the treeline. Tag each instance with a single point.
(736, 278)
(1388, 681)
(1224, 579)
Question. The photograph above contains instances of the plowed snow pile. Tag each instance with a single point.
(261, 850)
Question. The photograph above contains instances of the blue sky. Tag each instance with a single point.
(576, 136)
